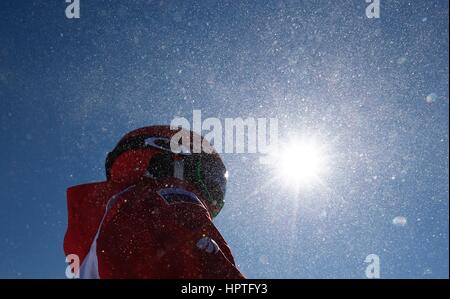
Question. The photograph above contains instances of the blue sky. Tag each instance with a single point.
(69, 89)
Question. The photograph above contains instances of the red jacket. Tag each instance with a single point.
(152, 229)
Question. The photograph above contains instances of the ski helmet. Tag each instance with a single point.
(150, 151)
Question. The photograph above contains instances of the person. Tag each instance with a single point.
(152, 217)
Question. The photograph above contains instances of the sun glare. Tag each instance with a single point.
(301, 162)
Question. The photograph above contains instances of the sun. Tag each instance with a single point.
(300, 162)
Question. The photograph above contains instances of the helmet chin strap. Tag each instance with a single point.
(159, 167)
(178, 169)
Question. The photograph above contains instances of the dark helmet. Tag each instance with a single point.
(150, 151)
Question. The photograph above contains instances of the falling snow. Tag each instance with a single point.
(374, 92)
(399, 221)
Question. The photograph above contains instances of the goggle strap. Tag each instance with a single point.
(200, 180)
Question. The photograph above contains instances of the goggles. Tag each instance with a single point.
(203, 170)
